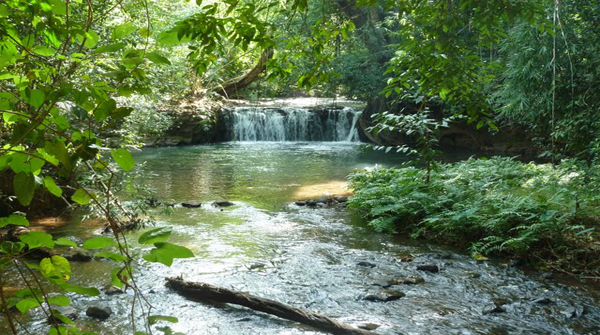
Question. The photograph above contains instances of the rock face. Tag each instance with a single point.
(100, 313)
(458, 135)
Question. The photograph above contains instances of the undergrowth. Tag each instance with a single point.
(491, 206)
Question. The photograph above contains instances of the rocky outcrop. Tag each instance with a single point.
(458, 135)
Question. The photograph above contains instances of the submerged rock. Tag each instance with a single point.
(341, 198)
(410, 280)
(300, 203)
(366, 264)
(191, 204)
(368, 326)
(323, 200)
(428, 267)
(384, 296)
(76, 254)
(542, 301)
(222, 203)
(100, 313)
(574, 311)
(547, 275)
(494, 310)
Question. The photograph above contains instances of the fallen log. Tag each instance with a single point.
(208, 292)
(231, 88)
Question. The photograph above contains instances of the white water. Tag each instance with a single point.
(292, 124)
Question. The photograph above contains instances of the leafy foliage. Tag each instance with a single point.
(491, 206)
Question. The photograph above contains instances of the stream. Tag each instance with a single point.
(323, 259)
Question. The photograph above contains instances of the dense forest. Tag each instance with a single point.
(87, 86)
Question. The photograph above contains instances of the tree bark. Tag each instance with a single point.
(231, 88)
(207, 292)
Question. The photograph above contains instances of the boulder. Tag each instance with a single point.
(100, 313)
(68, 311)
(222, 203)
(366, 264)
(341, 198)
(191, 204)
(428, 267)
(410, 280)
(300, 203)
(384, 296)
(76, 254)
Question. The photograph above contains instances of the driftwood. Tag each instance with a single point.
(207, 292)
(230, 88)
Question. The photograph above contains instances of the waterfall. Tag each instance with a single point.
(293, 124)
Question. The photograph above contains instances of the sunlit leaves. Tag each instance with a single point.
(91, 291)
(81, 197)
(36, 239)
(24, 187)
(155, 235)
(165, 253)
(123, 158)
(65, 241)
(14, 219)
(99, 242)
(52, 187)
(26, 304)
(123, 30)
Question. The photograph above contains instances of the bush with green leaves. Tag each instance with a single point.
(490, 206)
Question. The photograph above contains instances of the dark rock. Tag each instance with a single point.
(428, 267)
(170, 204)
(384, 296)
(153, 202)
(494, 310)
(244, 319)
(473, 275)
(300, 203)
(411, 280)
(516, 262)
(77, 254)
(366, 264)
(542, 301)
(311, 203)
(152, 291)
(222, 203)
(321, 205)
(69, 312)
(323, 199)
(113, 290)
(14, 233)
(256, 266)
(445, 255)
(100, 313)
(40, 253)
(574, 312)
(394, 295)
(191, 204)
(547, 275)
(407, 258)
(341, 198)
(368, 326)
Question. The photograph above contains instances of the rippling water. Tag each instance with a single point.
(310, 258)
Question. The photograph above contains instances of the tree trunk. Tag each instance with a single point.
(207, 292)
(231, 88)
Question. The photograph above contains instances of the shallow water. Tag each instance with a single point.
(309, 258)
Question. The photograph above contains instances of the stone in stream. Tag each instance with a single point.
(222, 203)
(311, 203)
(516, 262)
(473, 275)
(100, 313)
(574, 312)
(428, 267)
(113, 290)
(366, 264)
(542, 301)
(76, 254)
(384, 296)
(494, 310)
(300, 203)
(410, 280)
(341, 198)
(547, 276)
(191, 204)
(323, 200)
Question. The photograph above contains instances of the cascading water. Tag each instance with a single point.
(292, 124)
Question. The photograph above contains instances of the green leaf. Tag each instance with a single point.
(26, 304)
(112, 256)
(36, 239)
(59, 300)
(24, 186)
(158, 59)
(91, 291)
(105, 109)
(81, 197)
(44, 51)
(56, 266)
(111, 47)
(123, 30)
(155, 235)
(52, 187)
(64, 241)
(98, 242)
(166, 252)
(14, 219)
(123, 159)
(37, 98)
(152, 319)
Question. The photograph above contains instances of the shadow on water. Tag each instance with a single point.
(323, 259)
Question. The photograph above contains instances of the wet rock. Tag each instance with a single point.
(321, 205)
(384, 296)
(341, 198)
(40, 253)
(256, 266)
(77, 254)
(494, 310)
(100, 313)
(516, 262)
(300, 203)
(407, 258)
(113, 291)
(191, 204)
(473, 275)
(244, 319)
(69, 312)
(428, 267)
(445, 255)
(383, 283)
(366, 264)
(222, 203)
(153, 202)
(170, 204)
(411, 280)
(547, 276)
(542, 301)
(14, 233)
(574, 312)
(311, 203)
(368, 326)
(323, 200)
